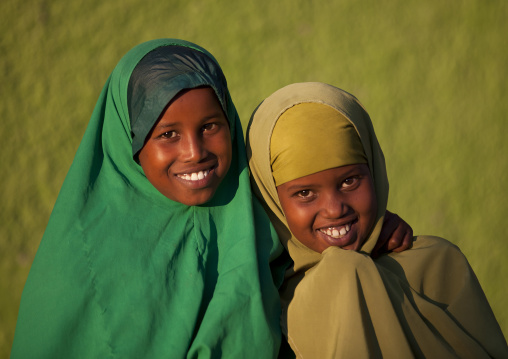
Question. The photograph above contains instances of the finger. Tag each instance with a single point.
(406, 243)
(382, 241)
(390, 223)
(397, 237)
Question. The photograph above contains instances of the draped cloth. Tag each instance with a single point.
(425, 302)
(296, 131)
(124, 272)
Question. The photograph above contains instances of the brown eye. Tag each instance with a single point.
(350, 182)
(304, 194)
(169, 134)
(210, 127)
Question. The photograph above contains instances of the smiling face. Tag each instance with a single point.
(335, 207)
(188, 152)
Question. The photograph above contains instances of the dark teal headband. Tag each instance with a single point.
(159, 77)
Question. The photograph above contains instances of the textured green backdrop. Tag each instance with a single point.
(432, 75)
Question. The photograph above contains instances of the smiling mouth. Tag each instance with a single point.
(194, 176)
(336, 232)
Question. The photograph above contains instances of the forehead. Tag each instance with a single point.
(198, 104)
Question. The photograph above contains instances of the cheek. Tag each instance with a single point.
(368, 205)
(224, 144)
(294, 214)
(299, 219)
(228, 151)
(144, 161)
(155, 161)
(164, 157)
(222, 148)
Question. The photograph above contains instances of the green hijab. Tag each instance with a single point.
(425, 302)
(124, 272)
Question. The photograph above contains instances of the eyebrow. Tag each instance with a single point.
(300, 187)
(203, 120)
(355, 170)
(165, 125)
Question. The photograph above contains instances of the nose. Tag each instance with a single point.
(192, 149)
(334, 206)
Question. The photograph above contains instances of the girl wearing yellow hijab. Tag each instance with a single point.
(319, 169)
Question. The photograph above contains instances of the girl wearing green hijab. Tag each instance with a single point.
(318, 167)
(155, 247)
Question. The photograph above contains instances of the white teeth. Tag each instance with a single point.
(336, 232)
(196, 176)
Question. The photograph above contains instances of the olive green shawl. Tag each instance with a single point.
(424, 302)
(124, 272)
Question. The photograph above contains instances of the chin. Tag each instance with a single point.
(196, 200)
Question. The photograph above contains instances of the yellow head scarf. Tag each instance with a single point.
(312, 137)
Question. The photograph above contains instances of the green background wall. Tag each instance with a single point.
(432, 74)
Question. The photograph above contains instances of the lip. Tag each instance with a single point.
(193, 169)
(347, 241)
(200, 183)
